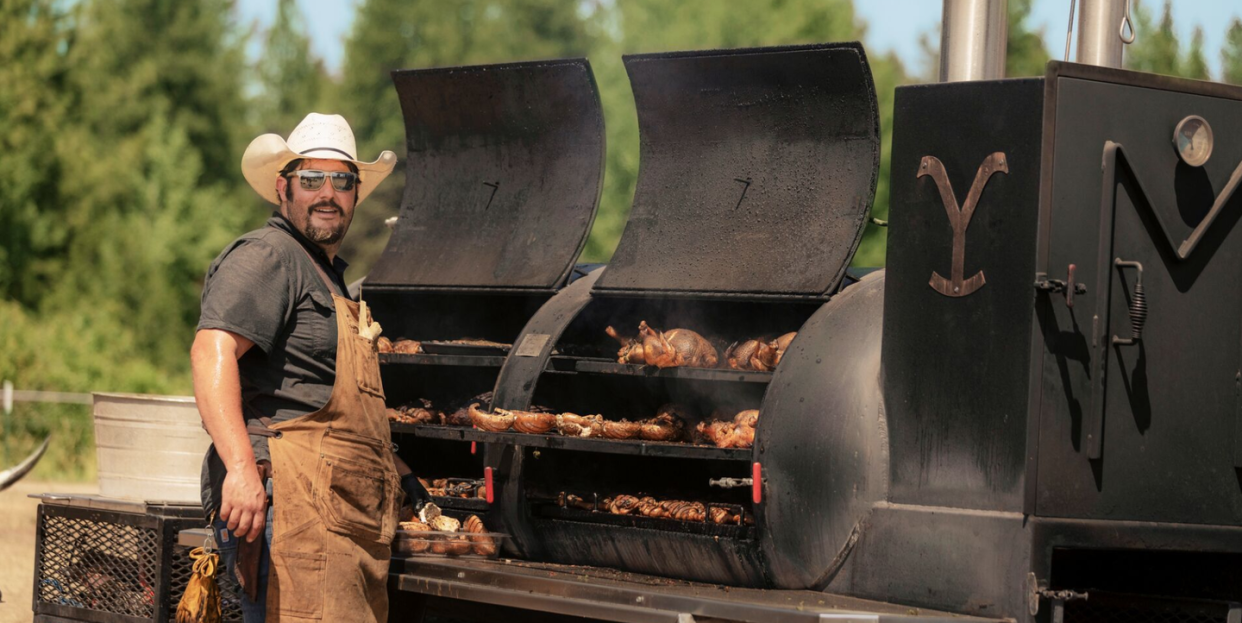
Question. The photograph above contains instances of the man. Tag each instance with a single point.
(287, 383)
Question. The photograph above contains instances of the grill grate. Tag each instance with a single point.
(181, 567)
(1112, 608)
(98, 565)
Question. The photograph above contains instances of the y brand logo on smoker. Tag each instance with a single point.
(959, 219)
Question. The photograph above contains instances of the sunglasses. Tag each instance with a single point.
(310, 179)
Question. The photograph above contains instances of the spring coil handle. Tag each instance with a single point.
(1138, 305)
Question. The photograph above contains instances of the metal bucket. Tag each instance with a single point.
(149, 448)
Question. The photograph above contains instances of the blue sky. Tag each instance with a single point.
(892, 24)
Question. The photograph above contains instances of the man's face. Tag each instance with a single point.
(323, 215)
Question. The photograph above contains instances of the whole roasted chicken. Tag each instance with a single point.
(739, 433)
(759, 355)
(665, 349)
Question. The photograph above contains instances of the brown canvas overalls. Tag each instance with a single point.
(335, 495)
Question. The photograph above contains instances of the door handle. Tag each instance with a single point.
(1138, 306)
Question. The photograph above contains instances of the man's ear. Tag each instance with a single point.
(282, 182)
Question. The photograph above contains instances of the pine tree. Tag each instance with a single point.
(1025, 52)
(1156, 50)
(1231, 54)
(1195, 65)
(33, 37)
(291, 79)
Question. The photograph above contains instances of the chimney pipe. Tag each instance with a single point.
(973, 35)
(1102, 24)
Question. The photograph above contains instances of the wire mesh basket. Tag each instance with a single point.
(105, 565)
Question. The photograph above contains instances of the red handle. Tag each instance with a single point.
(474, 447)
(487, 482)
(756, 485)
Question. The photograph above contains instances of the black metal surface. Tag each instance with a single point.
(1167, 406)
(1123, 608)
(616, 596)
(466, 504)
(503, 176)
(448, 348)
(957, 369)
(758, 168)
(427, 359)
(724, 531)
(602, 366)
(821, 439)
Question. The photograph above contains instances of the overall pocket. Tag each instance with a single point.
(356, 496)
(366, 366)
(297, 581)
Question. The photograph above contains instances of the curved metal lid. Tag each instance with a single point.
(503, 177)
(758, 169)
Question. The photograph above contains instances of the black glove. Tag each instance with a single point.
(417, 493)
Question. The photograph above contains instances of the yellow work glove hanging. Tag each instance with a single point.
(201, 601)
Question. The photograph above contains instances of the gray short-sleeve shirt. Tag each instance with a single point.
(265, 288)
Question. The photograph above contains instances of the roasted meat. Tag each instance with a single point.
(676, 347)
(407, 347)
(531, 422)
(482, 544)
(740, 433)
(780, 345)
(663, 427)
(623, 505)
(459, 414)
(631, 349)
(623, 429)
(688, 511)
(459, 545)
(575, 425)
(421, 413)
(721, 515)
(749, 417)
(569, 500)
(650, 507)
(444, 523)
(749, 355)
(497, 422)
(383, 345)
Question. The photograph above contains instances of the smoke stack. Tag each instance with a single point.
(973, 35)
(1103, 26)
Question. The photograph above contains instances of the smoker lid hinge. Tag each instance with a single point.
(1037, 590)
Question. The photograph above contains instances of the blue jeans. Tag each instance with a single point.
(226, 542)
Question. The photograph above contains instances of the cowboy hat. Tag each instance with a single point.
(322, 137)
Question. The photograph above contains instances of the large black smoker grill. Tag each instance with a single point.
(1034, 413)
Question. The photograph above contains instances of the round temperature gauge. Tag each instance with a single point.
(1193, 139)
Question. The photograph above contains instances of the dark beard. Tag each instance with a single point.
(320, 235)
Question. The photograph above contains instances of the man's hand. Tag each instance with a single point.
(244, 503)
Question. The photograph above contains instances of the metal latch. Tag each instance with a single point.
(731, 483)
(1038, 590)
(1056, 286)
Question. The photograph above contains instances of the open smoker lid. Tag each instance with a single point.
(758, 168)
(502, 179)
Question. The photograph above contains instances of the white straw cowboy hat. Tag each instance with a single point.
(322, 137)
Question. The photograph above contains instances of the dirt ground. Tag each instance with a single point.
(17, 543)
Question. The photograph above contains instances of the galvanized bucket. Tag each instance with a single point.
(149, 448)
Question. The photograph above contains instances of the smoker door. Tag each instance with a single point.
(1147, 430)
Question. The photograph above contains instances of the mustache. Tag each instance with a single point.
(326, 203)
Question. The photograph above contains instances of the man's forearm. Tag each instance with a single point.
(217, 390)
